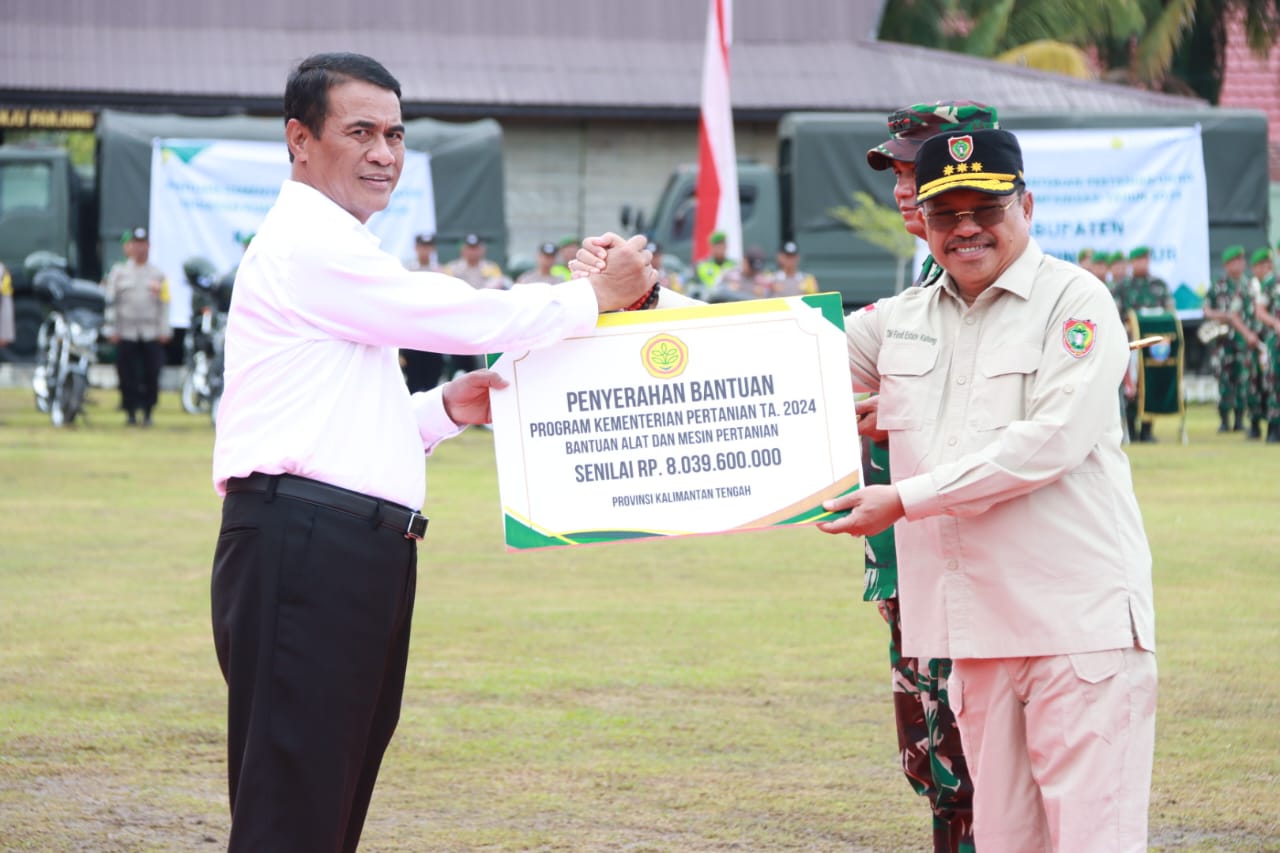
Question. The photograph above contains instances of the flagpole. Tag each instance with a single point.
(717, 189)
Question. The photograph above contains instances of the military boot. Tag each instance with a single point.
(1238, 426)
(1273, 432)
(1255, 429)
(1145, 435)
(1225, 426)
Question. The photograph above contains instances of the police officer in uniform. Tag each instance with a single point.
(710, 270)
(7, 330)
(475, 269)
(751, 281)
(789, 279)
(137, 322)
(544, 271)
(424, 253)
(566, 248)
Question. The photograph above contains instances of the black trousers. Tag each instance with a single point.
(311, 616)
(421, 369)
(138, 366)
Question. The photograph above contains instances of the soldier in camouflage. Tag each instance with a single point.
(928, 737)
(1226, 303)
(1137, 292)
(1268, 307)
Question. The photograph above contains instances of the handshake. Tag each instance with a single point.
(620, 270)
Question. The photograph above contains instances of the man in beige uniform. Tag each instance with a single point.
(1024, 554)
(137, 322)
(7, 330)
(790, 280)
(541, 273)
(475, 269)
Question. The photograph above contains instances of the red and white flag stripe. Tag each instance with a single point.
(717, 158)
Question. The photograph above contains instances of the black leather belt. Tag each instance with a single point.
(374, 510)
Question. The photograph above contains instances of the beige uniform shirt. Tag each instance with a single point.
(7, 328)
(1022, 534)
(535, 277)
(485, 275)
(137, 302)
(798, 284)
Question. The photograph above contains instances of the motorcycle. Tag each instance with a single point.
(67, 341)
(202, 374)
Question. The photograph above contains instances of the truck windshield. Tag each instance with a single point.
(25, 187)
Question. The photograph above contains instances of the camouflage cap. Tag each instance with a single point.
(1260, 255)
(911, 126)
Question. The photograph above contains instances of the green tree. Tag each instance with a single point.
(1167, 45)
(880, 225)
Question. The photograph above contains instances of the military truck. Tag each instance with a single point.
(46, 204)
(822, 163)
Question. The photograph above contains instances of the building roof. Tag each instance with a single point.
(499, 57)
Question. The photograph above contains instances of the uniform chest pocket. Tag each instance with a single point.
(908, 386)
(1003, 389)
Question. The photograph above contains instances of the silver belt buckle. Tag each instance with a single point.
(416, 528)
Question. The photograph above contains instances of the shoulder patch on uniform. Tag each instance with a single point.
(1078, 336)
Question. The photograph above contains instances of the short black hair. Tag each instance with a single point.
(306, 94)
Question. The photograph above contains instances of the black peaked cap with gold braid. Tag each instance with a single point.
(989, 161)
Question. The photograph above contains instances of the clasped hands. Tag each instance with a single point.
(623, 275)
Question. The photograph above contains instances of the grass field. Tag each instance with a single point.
(715, 694)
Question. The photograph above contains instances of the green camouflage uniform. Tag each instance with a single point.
(1256, 372)
(1143, 292)
(928, 737)
(1229, 360)
(1270, 295)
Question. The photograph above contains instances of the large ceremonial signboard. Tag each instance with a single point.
(674, 422)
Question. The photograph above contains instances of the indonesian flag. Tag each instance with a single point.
(717, 160)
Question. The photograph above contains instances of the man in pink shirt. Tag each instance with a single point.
(320, 456)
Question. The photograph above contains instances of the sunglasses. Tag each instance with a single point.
(983, 217)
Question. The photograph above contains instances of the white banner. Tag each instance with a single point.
(700, 420)
(1113, 190)
(206, 195)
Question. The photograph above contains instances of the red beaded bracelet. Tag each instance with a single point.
(649, 300)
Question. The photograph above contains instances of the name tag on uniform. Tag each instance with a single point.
(698, 420)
